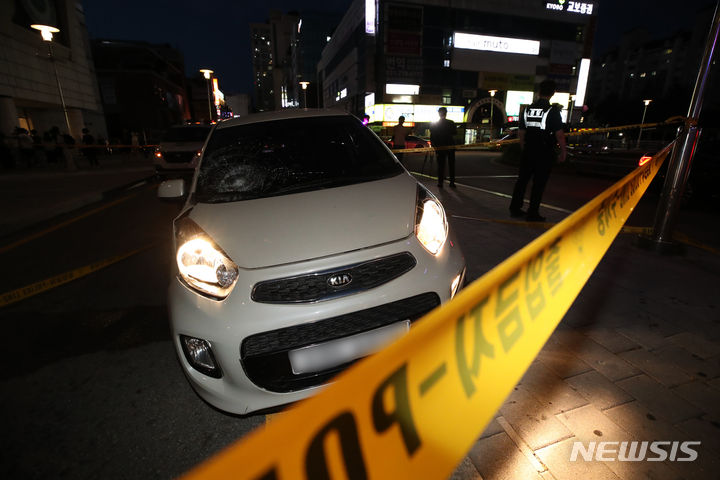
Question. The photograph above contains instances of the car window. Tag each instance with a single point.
(287, 156)
(186, 134)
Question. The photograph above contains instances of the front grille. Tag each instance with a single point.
(264, 356)
(316, 287)
(178, 157)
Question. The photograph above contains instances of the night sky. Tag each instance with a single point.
(216, 34)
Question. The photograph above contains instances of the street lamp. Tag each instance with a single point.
(207, 73)
(492, 102)
(646, 102)
(304, 87)
(47, 35)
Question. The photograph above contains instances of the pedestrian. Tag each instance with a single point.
(6, 159)
(400, 133)
(25, 146)
(38, 149)
(442, 135)
(539, 131)
(53, 141)
(135, 142)
(89, 149)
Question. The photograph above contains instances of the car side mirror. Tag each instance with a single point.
(172, 189)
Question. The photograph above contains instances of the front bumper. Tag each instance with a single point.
(250, 340)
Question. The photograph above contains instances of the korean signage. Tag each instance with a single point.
(583, 8)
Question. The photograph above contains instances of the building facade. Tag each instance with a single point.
(662, 70)
(142, 88)
(29, 87)
(390, 58)
(275, 73)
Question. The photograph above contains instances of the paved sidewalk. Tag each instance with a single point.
(31, 196)
(637, 357)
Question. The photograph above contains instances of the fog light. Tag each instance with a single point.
(199, 355)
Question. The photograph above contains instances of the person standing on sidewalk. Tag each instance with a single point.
(400, 133)
(442, 134)
(539, 131)
(89, 149)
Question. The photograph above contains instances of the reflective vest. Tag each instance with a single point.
(537, 135)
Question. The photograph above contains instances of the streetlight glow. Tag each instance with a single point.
(47, 34)
(492, 102)
(304, 86)
(207, 73)
(46, 31)
(642, 122)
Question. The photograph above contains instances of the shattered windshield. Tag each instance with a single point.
(289, 156)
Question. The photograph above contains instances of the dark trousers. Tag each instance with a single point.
(536, 166)
(441, 156)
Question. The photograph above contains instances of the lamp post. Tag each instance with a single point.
(47, 35)
(492, 102)
(304, 88)
(207, 73)
(646, 102)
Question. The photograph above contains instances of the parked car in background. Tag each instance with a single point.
(303, 246)
(179, 149)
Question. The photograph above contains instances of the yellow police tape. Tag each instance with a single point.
(27, 291)
(590, 131)
(414, 409)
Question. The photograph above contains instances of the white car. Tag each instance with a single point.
(179, 150)
(303, 246)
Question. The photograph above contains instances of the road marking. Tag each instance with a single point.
(487, 176)
(499, 194)
(33, 289)
(60, 225)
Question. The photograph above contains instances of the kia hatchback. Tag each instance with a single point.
(303, 246)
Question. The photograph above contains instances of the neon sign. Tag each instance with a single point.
(496, 44)
(583, 8)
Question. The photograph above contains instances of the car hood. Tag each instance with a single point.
(296, 227)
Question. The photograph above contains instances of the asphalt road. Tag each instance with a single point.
(91, 387)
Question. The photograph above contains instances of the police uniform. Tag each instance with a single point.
(540, 122)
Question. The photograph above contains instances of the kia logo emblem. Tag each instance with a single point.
(339, 280)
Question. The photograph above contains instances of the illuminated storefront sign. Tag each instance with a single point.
(582, 81)
(583, 8)
(516, 98)
(413, 113)
(496, 44)
(402, 89)
(370, 17)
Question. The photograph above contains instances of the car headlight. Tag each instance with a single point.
(201, 263)
(431, 227)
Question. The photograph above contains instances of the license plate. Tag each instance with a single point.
(315, 358)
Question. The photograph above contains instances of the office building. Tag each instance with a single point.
(388, 59)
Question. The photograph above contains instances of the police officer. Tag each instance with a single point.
(442, 134)
(540, 130)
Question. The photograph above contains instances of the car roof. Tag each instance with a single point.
(281, 115)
